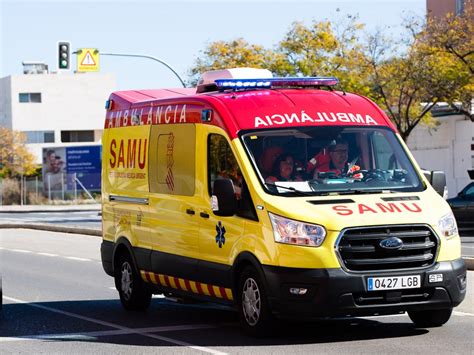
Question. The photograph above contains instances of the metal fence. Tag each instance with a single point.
(48, 189)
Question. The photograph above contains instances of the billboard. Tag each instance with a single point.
(63, 165)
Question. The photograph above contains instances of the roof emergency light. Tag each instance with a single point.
(236, 84)
(224, 84)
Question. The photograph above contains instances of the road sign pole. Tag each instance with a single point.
(147, 57)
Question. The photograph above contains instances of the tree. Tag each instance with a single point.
(407, 78)
(232, 54)
(325, 49)
(453, 37)
(320, 49)
(15, 158)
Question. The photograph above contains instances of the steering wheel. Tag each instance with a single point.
(373, 175)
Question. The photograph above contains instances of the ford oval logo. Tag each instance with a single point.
(391, 243)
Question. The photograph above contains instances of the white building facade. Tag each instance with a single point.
(448, 147)
(55, 110)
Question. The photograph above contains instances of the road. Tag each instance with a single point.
(58, 299)
(86, 219)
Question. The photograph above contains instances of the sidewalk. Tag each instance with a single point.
(50, 208)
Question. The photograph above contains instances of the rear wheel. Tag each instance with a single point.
(254, 311)
(133, 293)
(428, 319)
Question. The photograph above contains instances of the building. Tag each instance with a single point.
(448, 147)
(55, 110)
(440, 8)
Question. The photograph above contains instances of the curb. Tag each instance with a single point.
(98, 233)
(51, 210)
(469, 262)
(53, 228)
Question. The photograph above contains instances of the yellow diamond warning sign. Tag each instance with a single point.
(87, 59)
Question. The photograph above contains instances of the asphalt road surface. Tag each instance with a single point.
(58, 299)
(86, 219)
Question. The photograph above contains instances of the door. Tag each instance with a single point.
(218, 235)
(174, 225)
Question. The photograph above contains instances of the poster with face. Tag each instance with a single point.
(54, 163)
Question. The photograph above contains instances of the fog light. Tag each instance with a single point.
(298, 291)
(462, 280)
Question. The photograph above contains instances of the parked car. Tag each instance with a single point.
(463, 209)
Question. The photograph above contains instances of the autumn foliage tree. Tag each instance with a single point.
(15, 158)
(405, 77)
(452, 37)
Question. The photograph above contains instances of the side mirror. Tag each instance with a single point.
(438, 181)
(226, 204)
(427, 175)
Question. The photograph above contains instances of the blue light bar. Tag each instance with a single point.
(236, 84)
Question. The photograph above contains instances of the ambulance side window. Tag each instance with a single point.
(383, 152)
(223, 165)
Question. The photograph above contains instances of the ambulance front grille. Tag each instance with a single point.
(360, 249)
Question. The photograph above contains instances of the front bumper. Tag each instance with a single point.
(335, 292)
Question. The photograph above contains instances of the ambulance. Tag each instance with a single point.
(217, 194)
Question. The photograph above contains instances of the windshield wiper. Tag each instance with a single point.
(292, 189)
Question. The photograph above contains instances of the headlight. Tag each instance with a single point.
(289, 231)
(447, 225)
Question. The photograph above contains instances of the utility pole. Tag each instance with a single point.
(147, 57)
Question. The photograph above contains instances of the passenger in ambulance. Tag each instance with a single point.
(333, 160)
(267, 159)
(283, 169)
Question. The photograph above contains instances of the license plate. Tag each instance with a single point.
(393, 282)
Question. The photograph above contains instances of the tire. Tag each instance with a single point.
(429, 319)
(255, 316)
(133, 293)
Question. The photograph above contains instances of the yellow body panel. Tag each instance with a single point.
(164, 224)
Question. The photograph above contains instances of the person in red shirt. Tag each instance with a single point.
(333, 160)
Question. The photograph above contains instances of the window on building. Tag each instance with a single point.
(77, 136)
(459, 7)
(39, 136)
(25, 97)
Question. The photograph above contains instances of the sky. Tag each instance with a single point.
(176, 32)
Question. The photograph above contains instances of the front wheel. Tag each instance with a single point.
(132, 291)
(428, 319)
(255, 315)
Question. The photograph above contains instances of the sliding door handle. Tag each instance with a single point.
(204, 215)
(190, 211)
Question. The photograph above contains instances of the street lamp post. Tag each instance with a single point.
(148, 57)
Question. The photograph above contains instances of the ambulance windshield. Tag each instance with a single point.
(331, 159)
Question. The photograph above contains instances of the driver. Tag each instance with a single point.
(335, 161)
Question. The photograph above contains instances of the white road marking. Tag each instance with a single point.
(118, 327)
(463, 314)
(48, 254)
(21, 251)
(458, 313)
(81, 336)
(76, 258)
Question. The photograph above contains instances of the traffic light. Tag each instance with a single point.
(64, 55)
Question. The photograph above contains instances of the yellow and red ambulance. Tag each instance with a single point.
(218, 193)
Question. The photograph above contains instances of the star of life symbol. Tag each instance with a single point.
(220, 238)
